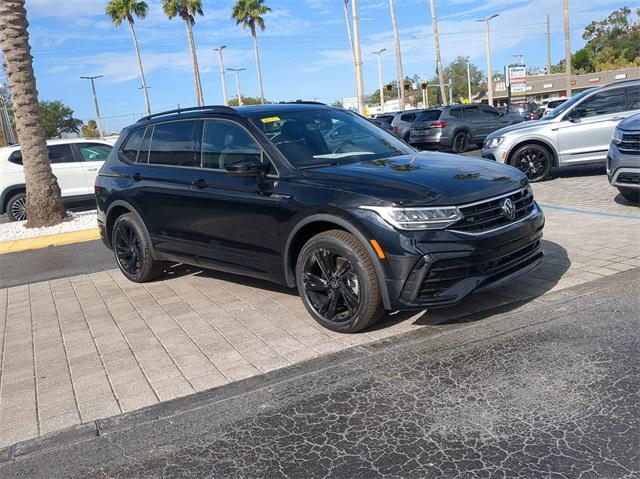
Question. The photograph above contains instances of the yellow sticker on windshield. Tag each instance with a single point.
(271, 119)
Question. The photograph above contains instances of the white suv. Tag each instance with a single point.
(75, 162)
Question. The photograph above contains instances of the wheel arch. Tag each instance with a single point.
(317, 223)
(8, 192)
(115, 210)
(534, 141)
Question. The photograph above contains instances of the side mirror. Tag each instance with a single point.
(574, 115)
(249, 166)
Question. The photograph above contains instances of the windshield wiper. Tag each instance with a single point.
(319, 165)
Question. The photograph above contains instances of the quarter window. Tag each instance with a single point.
(172, 144)
(131, 147)
(603, 103)
(224, 142)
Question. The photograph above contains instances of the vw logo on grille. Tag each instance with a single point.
(508, 209)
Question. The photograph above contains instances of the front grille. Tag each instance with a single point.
(630, 142)
(629, 178)
(488, 215)
(446, 273)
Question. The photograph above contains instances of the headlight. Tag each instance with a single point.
(494, 142)
(418, 218)
(617, 136)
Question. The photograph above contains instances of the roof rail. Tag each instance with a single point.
(304, 102)
(213, 108)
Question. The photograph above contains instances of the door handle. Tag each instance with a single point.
(136, 177)
(618, 118)
(199, 183)
(93, 169)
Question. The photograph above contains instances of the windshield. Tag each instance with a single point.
(318, 137)
(565, 106)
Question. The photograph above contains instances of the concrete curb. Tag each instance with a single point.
(39, 242)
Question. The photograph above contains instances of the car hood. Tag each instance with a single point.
(421, 179)
(527, 125)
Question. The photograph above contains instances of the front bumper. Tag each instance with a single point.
(440, 268)
(500, 153)
(623, 169)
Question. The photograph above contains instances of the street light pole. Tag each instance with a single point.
(396, 44)
(95, 101)
(436, 39)
(237, 72)
(379, 53)
(486, 20)
(468, 82)
(358, 56)
(548, 45)
(567, 46)
(222, 77)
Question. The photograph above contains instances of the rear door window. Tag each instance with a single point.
(633, 98)
(60, 154)
(172, 144)
(602, 103)
(472, 112)
(489, 112)
(456, 112)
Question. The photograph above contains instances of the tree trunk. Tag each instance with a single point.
(257, 51)
(139, 58)
(44, 202)
(194, 61)
(396, 43)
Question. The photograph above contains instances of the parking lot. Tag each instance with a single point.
(80, 348)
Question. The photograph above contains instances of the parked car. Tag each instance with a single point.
(457, 126)
(529, 110)
(75, 163)
(578, 131)
(623, 158)
(551, 105)
(402, 122)
(359, 222)
(386, 126)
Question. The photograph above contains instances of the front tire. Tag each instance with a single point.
(337, 282)
(533, 160)
(133, 251)
(17, 207)
(632, 196)
(460, 142)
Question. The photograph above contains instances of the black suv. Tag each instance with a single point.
(316, 197)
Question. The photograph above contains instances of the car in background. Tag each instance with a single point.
(401, 123)
(623, 158)
(577, 132)
(75, 163)
(529, 110)
(382, 123)
(456, 127)
(552, 105)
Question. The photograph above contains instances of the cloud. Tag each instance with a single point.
(322, 7)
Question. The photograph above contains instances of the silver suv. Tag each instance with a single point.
(576, 132)
(623, 160)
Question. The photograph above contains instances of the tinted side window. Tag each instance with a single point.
(16, 157)
(633, 98)
(172, 144)
(224, 142)
(131, 147)
(456, 112)
(408, 117)
(60, 154)
(143, 156)
(490, 112)
(93, 151)
(472, 112)
(603, 103)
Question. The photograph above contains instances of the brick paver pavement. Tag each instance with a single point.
(77, 349)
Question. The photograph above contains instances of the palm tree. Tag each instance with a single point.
(120, 10)
(187, 10)
(44, 202)
(249, 13)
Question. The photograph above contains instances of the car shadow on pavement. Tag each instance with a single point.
(576, 171)
(621, 200)
(501, 300)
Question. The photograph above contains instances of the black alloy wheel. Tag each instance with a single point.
(132, 249)
(533, 160)
(17, 207)
(337, 282)
(460, 142)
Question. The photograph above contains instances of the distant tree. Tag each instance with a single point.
(57, 118)
(247, 100)
(337, 104)
(90, 129)
(456, 71)
(44, 203)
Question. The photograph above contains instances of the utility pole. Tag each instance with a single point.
(396, 43)
(486, 20)
(424, 92)
(357, 54)
(237, 72)
(95, 101)
(436, 39)
(222, 76)
(548, 44)
(567, 46)
(379, 53)
(450, 92)
(468, 81)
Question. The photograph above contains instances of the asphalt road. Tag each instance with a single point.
(549, 391)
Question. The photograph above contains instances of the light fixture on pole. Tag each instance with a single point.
(95, 101)
(379, 53)
(237, 72)
(486, 20)
(222, 76)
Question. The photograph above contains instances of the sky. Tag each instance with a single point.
(304, 49)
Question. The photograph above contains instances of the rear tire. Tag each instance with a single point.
(633, 196)
(460, 142)
(533, 160)
(17, 207)
(133, 251)
(337, 282)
